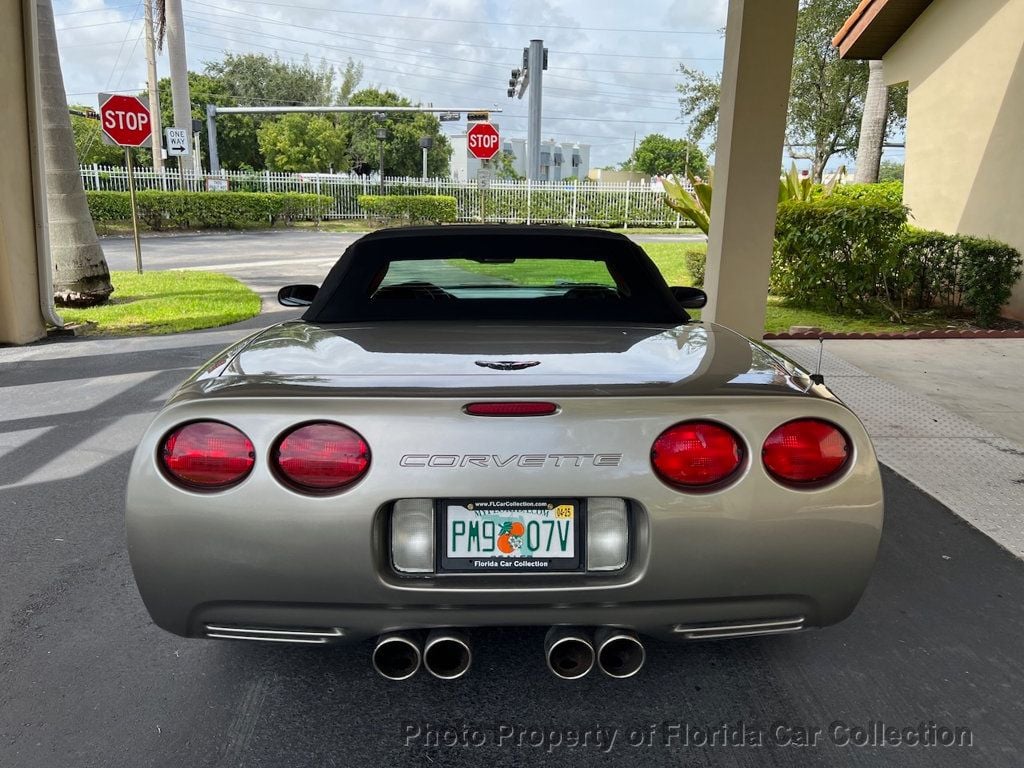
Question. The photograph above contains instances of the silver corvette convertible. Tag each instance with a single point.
(475, 426)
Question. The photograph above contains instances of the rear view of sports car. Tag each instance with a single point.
(477, 426)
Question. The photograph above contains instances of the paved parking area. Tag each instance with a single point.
(87, 680)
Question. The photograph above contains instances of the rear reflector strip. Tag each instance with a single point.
(528, 408)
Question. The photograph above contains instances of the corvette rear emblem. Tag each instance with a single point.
(507, 365)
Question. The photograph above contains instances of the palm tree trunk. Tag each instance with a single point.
(872, 126)
(81, 277)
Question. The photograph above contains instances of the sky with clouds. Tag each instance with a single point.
(612, 68)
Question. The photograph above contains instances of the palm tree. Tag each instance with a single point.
(81, 277)
(872, 126)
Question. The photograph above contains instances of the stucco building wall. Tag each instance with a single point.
(964, 63)
(20, 316)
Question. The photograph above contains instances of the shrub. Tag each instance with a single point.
(889, 191)
(695, 259)
(836, 253)
(109, 206)
(199, 210)
(958, 271)
(410, 208)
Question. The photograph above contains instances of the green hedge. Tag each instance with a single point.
(109, 206)
(696, 260)
(835, 253)
(956, 272)
(410, 208)
(889, 191)
(202, 210)
(854, 252)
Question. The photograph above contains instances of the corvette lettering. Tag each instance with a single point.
(524, 460)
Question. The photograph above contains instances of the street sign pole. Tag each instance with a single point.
(135, 209)
(126, 122)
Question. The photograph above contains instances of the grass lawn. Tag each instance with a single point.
(669, 259)
(168, 302)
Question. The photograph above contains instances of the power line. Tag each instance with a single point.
(359, 52)
(99, 24)
(94, 10)
(528, 25)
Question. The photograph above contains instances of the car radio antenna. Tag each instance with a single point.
(816, 377)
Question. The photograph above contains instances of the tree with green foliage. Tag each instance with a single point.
(658, 155)
(89, 145)
(699, 95)
(402, 154)
(826, 93)
(300, 142)
(504, 167)
(255, 80)
(890, 170)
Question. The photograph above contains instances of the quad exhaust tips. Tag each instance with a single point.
(569, 652)
(446, 654)
(397, 656)
(619, 652)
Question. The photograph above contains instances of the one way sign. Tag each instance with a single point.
(177, 141)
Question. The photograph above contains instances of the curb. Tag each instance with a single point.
(950, 334)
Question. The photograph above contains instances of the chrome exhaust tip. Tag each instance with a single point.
(446, 654)
(396, 657)
(569, 653)
(619, 652)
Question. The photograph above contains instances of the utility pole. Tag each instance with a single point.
(535, 61)
(154, 95)
(179, 76)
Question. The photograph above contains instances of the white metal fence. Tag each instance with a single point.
(492, 201)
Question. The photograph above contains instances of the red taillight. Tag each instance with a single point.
(696, 454)
(207, 455)
(527, 408)
(805, 451)
(321, 457)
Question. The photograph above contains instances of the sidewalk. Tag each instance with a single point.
(947, 415)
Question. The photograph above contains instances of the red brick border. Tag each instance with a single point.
(937, 334)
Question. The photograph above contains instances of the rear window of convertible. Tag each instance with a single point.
(506, 277)
(521, 278)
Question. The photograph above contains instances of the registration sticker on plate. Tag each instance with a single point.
(502, 535)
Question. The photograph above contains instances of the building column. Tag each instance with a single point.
(759, 40)
(20, 313)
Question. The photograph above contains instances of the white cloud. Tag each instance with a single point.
(611, 69)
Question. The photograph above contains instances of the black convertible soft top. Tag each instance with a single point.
(347, 294)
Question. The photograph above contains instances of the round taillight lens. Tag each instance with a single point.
(207, 455)
(321, 457)
(696, 454)
(805, 451)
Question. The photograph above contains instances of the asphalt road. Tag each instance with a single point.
(87, 680)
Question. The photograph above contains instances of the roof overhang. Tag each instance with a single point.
(875, 25)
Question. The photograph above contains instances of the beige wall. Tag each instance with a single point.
(20, 316)
(964, 62)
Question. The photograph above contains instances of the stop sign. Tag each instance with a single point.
(125, 120)
(482, 140)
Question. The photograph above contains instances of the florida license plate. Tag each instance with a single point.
(510, 535)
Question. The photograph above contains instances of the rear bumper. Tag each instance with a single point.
(262, 556)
